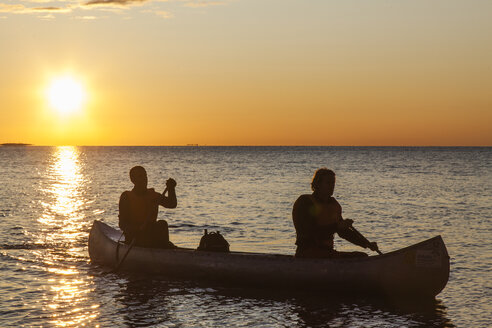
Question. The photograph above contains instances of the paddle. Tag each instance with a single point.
(131, 244)
(117, 267)
(363, 238)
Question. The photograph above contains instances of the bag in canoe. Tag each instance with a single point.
(213, 242)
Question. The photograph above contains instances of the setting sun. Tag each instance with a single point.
(66, 95)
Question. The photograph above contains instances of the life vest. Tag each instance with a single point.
(326, 216)
(144, 208)
(326, 213)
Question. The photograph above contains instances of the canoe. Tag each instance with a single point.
(420, 270)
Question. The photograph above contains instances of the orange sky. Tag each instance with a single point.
(249, 72)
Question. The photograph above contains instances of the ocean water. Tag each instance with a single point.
(49, 197)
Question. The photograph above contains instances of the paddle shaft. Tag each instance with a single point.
(363, 238)
(124, 256)
(131, 244)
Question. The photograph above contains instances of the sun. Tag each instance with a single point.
(66, 94)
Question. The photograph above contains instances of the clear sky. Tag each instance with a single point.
(246, 72)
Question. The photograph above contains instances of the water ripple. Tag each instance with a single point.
(397, 197)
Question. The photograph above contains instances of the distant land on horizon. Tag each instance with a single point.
(15, 144)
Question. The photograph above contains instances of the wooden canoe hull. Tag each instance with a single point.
(420, 270)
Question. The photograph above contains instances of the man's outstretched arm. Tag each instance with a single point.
(348, 233)
(344, 231)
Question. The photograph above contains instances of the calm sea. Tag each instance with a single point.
(49, 197)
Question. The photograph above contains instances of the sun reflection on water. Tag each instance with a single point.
(64, 190)
(65, 232)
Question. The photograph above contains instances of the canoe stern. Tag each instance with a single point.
(420, 270)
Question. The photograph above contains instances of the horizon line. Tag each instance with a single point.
(16, 144)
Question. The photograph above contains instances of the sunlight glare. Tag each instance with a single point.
(66, 94)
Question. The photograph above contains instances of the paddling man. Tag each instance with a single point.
(139, 208)
(317, 217)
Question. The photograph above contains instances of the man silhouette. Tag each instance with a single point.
(138, 209)
(318, 216)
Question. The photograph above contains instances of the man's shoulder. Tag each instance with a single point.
(152, 192)
(125, 194)
(302, 208)
(304, 199)
(153, 195)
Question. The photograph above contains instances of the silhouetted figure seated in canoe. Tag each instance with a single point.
(318, 216)
(139, 208)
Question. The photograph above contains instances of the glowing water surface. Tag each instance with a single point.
(397, 196)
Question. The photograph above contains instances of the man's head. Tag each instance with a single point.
(323, 181)
(138, 176)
